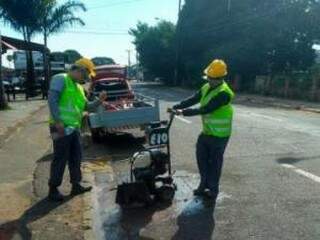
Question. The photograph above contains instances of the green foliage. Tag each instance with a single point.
(23, 16)
(71, 56)
(253, 36)
(98, 61)
(54, 18)
(156, 48)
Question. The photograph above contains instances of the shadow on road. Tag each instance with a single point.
(196, 221)
(293, 160)
(20, 226)
(123, 146)
(129, 223)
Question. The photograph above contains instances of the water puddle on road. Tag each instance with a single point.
(187, 217)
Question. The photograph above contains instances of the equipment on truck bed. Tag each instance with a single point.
(150, 170)
(124, 110)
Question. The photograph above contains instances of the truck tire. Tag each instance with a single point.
(96, 136)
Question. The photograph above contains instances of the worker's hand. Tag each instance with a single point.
(105, 104)
(175, 107)
(103, 96)
(60, 128)
(85, 114)
(169, 110)
(179, 112)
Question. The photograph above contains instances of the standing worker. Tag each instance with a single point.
(67, 103)
(215, 99)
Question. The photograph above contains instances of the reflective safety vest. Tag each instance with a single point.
(72, 103)
(219, 122)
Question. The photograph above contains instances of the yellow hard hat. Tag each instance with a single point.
(216, 69)
(87, 64)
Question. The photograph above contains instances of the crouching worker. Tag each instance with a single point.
(67, 103)
(215, 99)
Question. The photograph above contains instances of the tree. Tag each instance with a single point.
(98, 61)
(253, 36)
(3, 100)
(156, 48)
(55, 18)
(57, 57)
(71, 56)
(22, 16)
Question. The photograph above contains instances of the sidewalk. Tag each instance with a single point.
(279, 102)
(25, 159)
(19, 113)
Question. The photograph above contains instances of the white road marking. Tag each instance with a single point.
(266, 117)
(304, 173)
(183, 120)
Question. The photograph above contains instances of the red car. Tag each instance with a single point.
(113, 80)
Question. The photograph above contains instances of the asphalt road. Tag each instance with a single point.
(269, 188)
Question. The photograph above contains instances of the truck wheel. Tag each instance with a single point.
(96, 136)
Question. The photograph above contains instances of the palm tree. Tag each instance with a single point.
(22, 16)
(3, 101)
(56, 17)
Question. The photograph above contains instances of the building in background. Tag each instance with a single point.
(57, 63)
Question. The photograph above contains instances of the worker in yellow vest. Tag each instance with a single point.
(67, 103)
(215, 98)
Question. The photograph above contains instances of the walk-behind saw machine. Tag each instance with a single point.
(151, 178)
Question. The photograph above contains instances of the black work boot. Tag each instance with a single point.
(78, 189)
(211, 195)
(54, 195)
(199, 192)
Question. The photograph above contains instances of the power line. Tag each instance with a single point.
(114, 4)
(97, 33)
(113, 30)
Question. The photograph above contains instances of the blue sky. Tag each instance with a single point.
(107, 24)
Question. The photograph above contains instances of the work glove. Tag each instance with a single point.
(188, 112)
(175, 107)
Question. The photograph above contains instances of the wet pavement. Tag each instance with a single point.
(187, 217)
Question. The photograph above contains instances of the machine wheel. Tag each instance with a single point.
(166, 193)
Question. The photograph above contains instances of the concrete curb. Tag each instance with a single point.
(90, 199)
(11, 130)
(253, 99)
(87, 221)
(281, 105)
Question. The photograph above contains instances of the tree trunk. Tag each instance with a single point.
(286, 86)
(267, 85)
(237, 82)
(46, 65)
(3, 100)
(314, 88)
(30, 83)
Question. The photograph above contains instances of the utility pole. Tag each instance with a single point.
(129, 58)
(129, 63)
(229, 6)
(176, 70)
